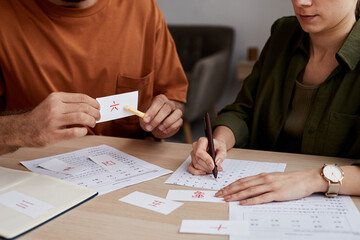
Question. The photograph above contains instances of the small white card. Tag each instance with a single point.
(59, 166)
(218, 227)
(112, 107)
(194, 196)
(151, 202)
(109, 163)
(24, 204)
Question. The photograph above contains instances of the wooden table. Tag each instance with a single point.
(104, 217)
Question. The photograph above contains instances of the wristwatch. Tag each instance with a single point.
(334, 175)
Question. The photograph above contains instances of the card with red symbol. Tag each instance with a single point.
(112, 107)
(151, 202)
(59, 166)
(193, 196)
(218, 227)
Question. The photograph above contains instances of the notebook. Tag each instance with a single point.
(28, 200)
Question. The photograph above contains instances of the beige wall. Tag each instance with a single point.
(251, 19)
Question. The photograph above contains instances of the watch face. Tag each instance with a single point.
(333, 173)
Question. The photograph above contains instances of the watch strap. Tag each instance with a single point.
(333, 190)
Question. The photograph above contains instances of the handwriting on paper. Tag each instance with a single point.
(233, 170)
(151, 202)
(112, 107)
(24, 204)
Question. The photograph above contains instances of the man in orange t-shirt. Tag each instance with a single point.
(57, 56)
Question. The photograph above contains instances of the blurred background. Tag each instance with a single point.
(250, 21)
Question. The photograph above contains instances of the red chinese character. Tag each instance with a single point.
(198, 194)
(108, 163)
(68, 168)
(24, 204)
(219, 227)
(114, 106)
(156, 203)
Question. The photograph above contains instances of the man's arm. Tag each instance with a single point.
(59, 117)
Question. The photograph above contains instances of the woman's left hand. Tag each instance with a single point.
(277, 186)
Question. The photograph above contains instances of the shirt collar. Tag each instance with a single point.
(350, 51)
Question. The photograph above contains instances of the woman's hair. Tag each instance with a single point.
(357, 10)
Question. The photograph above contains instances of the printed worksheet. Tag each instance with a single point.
(233, 170)
(314, 217)
(103, 176)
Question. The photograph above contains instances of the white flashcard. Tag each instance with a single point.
(194, 196)
(108, 163)
(151, 202)
(24, 204)
(59, 166)
(112, 107)
(218, 227)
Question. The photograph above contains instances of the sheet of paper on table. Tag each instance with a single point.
(233, 170)
(311, 218)
(97, 177)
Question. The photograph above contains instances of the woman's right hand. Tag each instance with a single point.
(201, 161)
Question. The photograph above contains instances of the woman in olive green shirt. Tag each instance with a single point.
(303, 96)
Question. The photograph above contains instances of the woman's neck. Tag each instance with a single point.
(329, 42)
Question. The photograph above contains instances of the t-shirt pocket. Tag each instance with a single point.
(343, 135)
(145, 86)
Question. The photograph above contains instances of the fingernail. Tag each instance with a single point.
(227, 198)
(149, 127)
(162, 128)
(147, 119)
(218, 194)
(243, 202)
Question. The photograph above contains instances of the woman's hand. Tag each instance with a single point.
(201, 161)
(277, 186)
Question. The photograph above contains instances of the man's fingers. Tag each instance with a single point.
(74, 132)
(171, 121)
(75, 98)
(82, 108)
(76, 118)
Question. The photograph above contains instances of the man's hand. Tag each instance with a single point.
(163, 118)
(59, 117)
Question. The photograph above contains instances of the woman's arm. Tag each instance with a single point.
(270, 187)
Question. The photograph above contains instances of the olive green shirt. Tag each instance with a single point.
(258, 115)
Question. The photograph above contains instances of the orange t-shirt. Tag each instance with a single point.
(112, 47)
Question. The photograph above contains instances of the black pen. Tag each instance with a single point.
(208, 133)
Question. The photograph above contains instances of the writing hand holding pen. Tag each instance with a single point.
(201, 161)
(208, 153)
